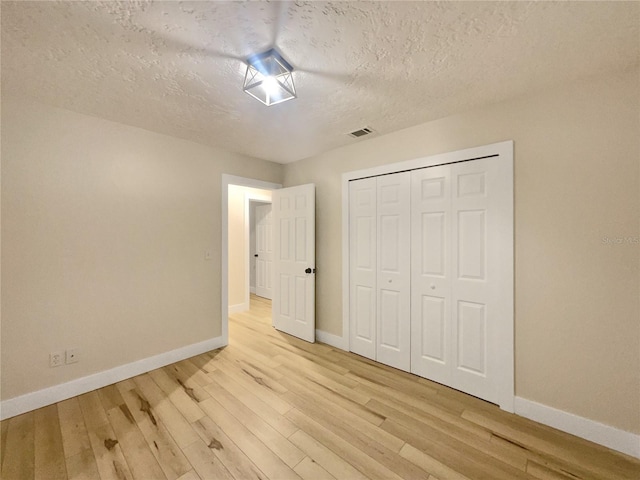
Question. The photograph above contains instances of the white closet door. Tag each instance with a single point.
(431, 351)
(481, 305)
(264, 251)
(362, 268)
(394, 263)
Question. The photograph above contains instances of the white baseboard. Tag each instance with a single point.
(47, 396)
(252, 290)
(240, 307)
(625, 442)
(333, 340)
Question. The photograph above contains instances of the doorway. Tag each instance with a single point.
(229, 183)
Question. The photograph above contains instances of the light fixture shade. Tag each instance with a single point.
(268, 78)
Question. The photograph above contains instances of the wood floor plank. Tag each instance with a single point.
(182, 397)
(282, 447)
(110, 461)
(256, 405)
(234, 459)
(193, 372)
(110, 397)
(125, 385)
(160, 406)
(426, 412)
(260, 455)
(430, 464)
(369, 467)
(93, 412)
(135, 449)
(310, 470)
(344, 386)
(595, 459)
(235, 369)
(481, 442)
(205, 463)
(190, 475)
(108, 454)
(325, 411)
(49, 452)
(323, 456)
(267, 395)
(182, 379)
(243, 358)
(82, 465)
(74, 433)
(449, 451)
(204, 362)
(4, 428)
(343, 400)
(162, 445)
(19, 457)
(375, 446)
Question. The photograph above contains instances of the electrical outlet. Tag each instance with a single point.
(56, 359)
(72, 356)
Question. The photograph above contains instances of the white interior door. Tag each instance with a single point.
(431, 273)
(294, 261)
(394, 263)
(362, 269)
(264, 251)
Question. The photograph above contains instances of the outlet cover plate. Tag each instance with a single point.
(72, 356)
(56, 359)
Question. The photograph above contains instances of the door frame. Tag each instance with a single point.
(224, 245)
(501, 149)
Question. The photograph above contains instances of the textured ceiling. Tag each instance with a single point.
(177, 67)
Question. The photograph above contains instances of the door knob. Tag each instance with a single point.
(307, 270)
(256, 255)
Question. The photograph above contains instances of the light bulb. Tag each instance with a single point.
(270, 85)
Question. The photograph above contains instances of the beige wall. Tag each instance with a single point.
(577, 169)
(238, 238)
(104, 233)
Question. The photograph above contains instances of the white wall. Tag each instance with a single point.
(104, 233)
(577, 182)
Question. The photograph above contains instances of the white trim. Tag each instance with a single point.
(334, 340)
(239, 307)
(502, 149)
(224, 246)
(252, 290)
(57, 393)
(611, 437)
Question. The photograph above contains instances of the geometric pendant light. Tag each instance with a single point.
(268, 78)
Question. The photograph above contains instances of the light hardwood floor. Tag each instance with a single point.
(270, 406)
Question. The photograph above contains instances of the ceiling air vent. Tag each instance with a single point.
(361, 133)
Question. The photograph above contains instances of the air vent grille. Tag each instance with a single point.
(361, 133)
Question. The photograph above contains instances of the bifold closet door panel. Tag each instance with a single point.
(481, 251)
(394, 264)
(431, 352)
(363, 267)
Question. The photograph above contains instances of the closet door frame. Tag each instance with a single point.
(503, 153)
